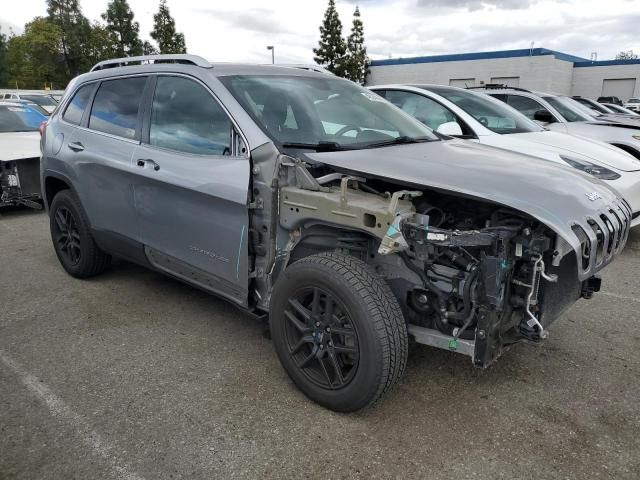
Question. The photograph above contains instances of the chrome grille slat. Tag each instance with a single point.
(614, 222)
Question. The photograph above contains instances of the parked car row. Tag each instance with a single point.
(485, 119)
(353, 219)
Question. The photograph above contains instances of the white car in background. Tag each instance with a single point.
(20, 155)
(619, 109)
(481, 118)
(563, 114)
(46, 101)
(633, 104)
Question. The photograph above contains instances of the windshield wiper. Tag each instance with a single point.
(402, 140)
(318, 147)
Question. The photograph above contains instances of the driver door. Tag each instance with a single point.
(191, 189)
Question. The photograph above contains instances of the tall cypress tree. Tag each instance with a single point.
(164, 31)
(331, 47)
(3, 59)
(122, 29)
(357, 62)
(75, 29)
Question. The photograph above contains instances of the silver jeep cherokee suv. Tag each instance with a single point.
(308, 198)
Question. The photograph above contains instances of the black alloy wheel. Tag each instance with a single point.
(67, 236)
(321, 338)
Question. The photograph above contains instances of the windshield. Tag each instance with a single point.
(634, 100)
(593, 106)
(493, 114)
(19, 119)
(571, 110)
(40, 100)
(321, 109)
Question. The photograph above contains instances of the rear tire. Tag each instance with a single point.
(72, 240)
(338, 331)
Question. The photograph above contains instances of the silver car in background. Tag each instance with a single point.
(563, 114)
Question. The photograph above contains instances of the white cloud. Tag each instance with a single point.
(239, 31)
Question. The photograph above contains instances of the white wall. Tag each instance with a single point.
(544, 72)
(588, 81)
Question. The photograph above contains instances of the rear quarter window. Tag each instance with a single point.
(75, 109)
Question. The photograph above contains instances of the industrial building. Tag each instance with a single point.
(534, 69)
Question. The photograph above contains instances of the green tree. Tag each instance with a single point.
(122, 29)
(75, 30)
(148, 48)
(357, 61)
(331, 47)
(3, 59)
(34, 58)
(164, 31)
(99, 45)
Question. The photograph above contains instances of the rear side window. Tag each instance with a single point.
(75, 109)
(116, 106)
(185, 117)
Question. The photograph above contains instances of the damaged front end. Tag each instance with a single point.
(471, 276)
(20, 183)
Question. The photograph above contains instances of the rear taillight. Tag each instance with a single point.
(42, 128)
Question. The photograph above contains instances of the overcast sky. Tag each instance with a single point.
(239, 30)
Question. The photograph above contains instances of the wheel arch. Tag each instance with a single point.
(53, 183)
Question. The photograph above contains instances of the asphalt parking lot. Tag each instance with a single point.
(133, 375)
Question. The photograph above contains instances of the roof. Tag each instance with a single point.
(524, 52)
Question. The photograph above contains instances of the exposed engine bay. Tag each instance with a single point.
(471, 276)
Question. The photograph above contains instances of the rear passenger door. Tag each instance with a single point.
(101, 148)
(192, 187)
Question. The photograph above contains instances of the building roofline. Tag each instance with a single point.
(606, 63)
(459, 57)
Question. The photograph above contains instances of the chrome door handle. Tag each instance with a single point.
(143, 161)
(76, 146)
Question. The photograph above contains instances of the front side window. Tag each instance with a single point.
(75, 109)
(322, 109)
(569, 109)
(185, 117)
(116, 106)
(428, 111)
(491, 113)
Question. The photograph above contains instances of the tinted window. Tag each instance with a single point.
(429, 112)
(73, 113)
(116, 105)
(525, 105)
(185, 117)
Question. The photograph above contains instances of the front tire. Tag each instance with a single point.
(72, 239)
(338, 331)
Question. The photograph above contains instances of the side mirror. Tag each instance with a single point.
(543, 116)
(452, 129)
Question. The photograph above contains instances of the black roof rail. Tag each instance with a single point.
(169, 58)
(497, 86)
